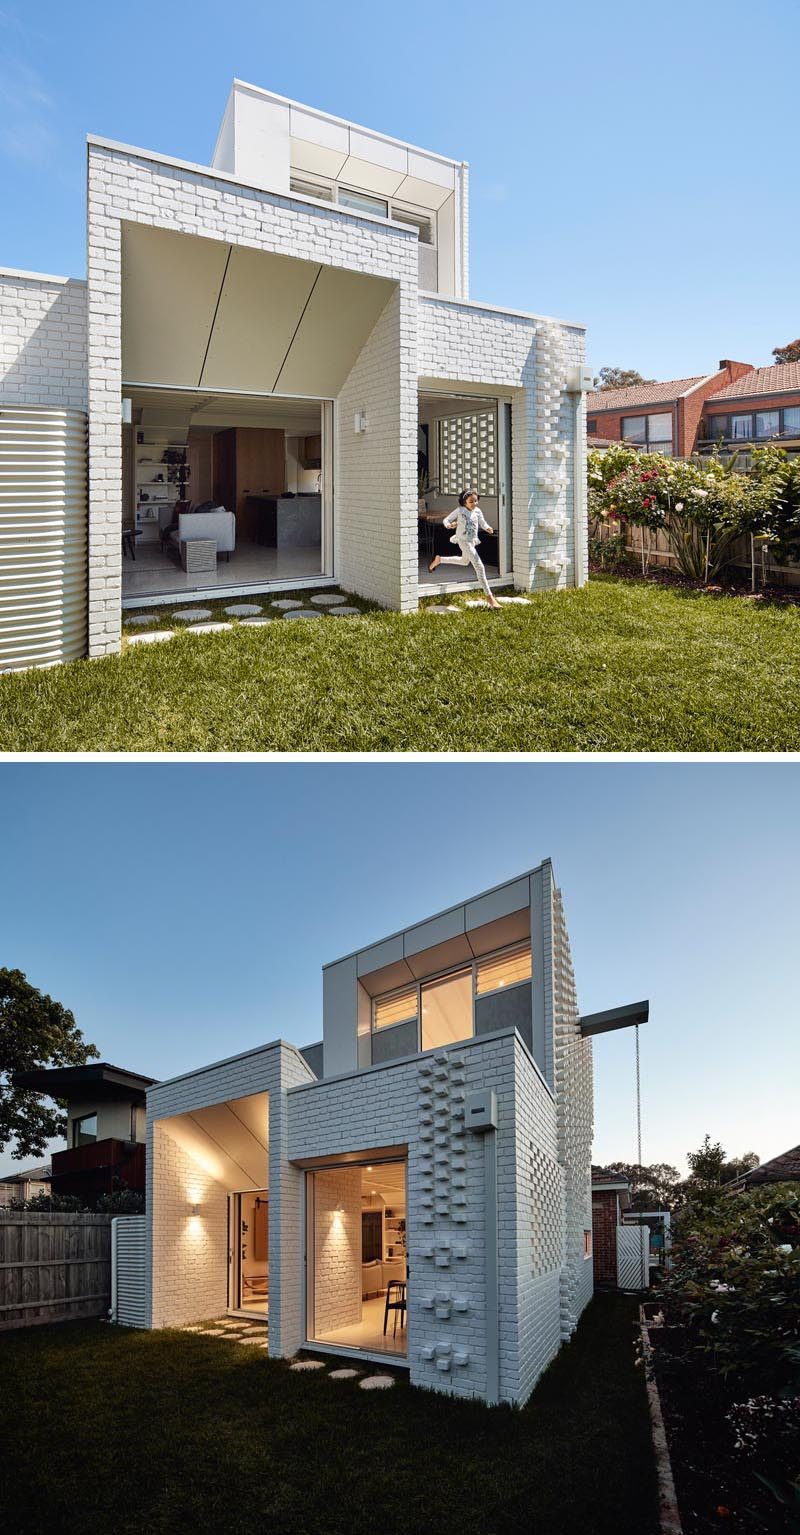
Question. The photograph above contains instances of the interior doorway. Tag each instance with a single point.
(248, 1224)
(357, 1261)
(463, 440)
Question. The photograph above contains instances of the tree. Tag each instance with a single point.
(652, 1188)
(619, 378)
(711, 1168)
(788, 353)
(35, 1031)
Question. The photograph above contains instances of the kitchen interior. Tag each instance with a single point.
(220, 493)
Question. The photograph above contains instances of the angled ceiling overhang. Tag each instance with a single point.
(202, 314)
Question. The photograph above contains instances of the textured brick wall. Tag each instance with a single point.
(273, 1069)
(192, 1249)
(575, 1114)
(524, 358)
(420, 1104)
(337, 1247)
(124, 185)
(42, 340)
(539, 1231)
(376, 482)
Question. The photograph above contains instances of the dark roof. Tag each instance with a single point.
(783, 378)
(603, 1175)
(643, 394)
(782, 1169)
(97, 1080)
(40, 1174)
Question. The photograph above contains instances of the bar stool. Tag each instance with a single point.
(398, 1304)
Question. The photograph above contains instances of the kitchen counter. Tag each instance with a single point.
(287, 522)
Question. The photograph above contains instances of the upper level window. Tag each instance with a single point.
(444, 1005)
(651, 432)
(363, 203)
(84, 1130)
(591, 426)
(419, 221)
(318, 189)
(717, 427)
(741, 428)
(791, 420)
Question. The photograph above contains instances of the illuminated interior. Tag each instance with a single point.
(357, 1284)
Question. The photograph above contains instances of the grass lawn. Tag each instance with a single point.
(618, 666)
(108, 1429)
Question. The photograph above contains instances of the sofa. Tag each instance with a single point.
(180, 524)
(375, 1276)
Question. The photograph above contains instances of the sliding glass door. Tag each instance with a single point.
(356, 1245)
(248, 1289)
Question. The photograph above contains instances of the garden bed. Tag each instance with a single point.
(729, 583)
(716, 1486)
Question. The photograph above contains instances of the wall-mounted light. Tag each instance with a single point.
(360, 421)
(127, 412)
(194, 1209)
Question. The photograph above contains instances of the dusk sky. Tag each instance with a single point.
(631, 169)
(183, 911)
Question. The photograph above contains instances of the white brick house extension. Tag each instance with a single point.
(433, 1150)
(308, 288)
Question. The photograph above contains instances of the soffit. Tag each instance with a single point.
(228, 1140)
(199, 312)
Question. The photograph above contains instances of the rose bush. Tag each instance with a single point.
(734, 1284)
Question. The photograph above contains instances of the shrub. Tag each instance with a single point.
(735, 1284)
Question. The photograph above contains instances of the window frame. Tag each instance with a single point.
(665, 445)
(441, 975)
(726, 434)
(79, 1120)
(329, 188)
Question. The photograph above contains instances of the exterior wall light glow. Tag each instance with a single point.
(360, 421)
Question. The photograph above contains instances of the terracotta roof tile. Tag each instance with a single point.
(786, 1167)
(642, 394)
(775, 380)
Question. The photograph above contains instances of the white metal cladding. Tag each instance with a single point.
(129, 1233)
(633, 1257)
(43, 536)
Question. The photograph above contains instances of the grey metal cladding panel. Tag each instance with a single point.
(426, 935)
(339, 1017)
(504, 1009)
(455, 951)
(380, 955)
(498, 903)
(313, 1056)
(390, 1044)
(388, 978)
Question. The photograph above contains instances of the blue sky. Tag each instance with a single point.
(183, 911)
(632, 167)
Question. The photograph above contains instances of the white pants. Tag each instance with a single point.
(469, 556)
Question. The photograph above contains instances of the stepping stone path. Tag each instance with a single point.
(244, 609)
(151, 638)
(343, 1374)
(307, 1364)
(451, 608)
(286, 603)
(376, 1383)
(192, 615)
(327, 599)
(257, 620)
(303, 613)
(345, 613)
(144, 618)
(523, 600)
(206, 628)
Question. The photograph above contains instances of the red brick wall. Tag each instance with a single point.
(604, 1237)
(743, 405)
(689, 411)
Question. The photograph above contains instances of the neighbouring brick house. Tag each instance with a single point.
(659, 417)
(781, 1169)
(416, 1187)
(760, 406)
(611, 1194)
(272, 356)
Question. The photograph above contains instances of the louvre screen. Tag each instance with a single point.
(468, 453)
(399, 1008)
(502, 970)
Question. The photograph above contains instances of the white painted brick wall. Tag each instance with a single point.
(376, 483)
(192, 1249)
(526, 358)
(574, 1099)
(130, 186)
(337, 1244)
(42, 340)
